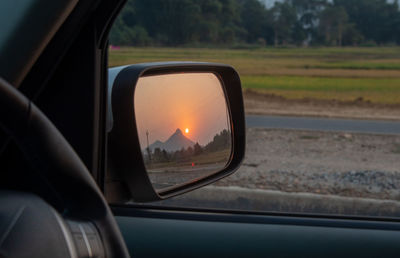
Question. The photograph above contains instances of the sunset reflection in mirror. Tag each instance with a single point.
(184, 127)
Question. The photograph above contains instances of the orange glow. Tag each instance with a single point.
(166, 102)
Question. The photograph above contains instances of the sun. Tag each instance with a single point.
(187, 130)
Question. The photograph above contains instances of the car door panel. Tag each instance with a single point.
(203, 234)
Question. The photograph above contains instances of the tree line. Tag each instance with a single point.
(221, 141)
(242, 22)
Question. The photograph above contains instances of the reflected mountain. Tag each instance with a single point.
(175, 142)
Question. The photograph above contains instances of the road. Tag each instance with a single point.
(323, 124)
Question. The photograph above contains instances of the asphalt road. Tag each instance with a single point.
(323, 124)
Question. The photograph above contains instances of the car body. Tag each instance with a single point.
(55, 53)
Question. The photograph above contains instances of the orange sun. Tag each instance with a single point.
(187, 130)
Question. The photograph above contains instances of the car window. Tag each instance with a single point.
(321, 85)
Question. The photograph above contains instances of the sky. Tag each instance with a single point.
(164, 103)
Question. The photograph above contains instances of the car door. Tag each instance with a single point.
(213, 223)
(67, 79)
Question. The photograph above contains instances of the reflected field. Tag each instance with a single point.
(166, 174)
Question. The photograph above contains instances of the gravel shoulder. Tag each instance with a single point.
(352, 165)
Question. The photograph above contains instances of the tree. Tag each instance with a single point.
(127, 31)
(189, 152)
(197, 149)
(157, 155)
(148, 154)
(307, 12)
(170, 22)
(221, 141)
(329, 22)
(284, 18)
(230, 21)
(351, 36)
(332, 24)
(254, 20)
(165, 156)
(299, 34)
(374, 19)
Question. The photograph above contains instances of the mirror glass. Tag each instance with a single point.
(184, 127)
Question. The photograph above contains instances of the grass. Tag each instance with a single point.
(376, 90)
(360, 65)
(321, 73)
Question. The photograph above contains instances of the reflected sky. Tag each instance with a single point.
(193, 101)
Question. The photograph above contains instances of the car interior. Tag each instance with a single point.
(72, 185)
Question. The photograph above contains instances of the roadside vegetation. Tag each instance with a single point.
(217, 151)
(367, 74)
(340, 50)
(238, 23)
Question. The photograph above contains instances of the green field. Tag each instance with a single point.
(346, 74)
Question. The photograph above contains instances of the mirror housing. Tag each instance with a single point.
(125, 151)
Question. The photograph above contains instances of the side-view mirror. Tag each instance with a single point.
(174, 127)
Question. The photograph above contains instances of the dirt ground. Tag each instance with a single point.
(334, 163)
(268, 104)
(322, 163)
(353, 165)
